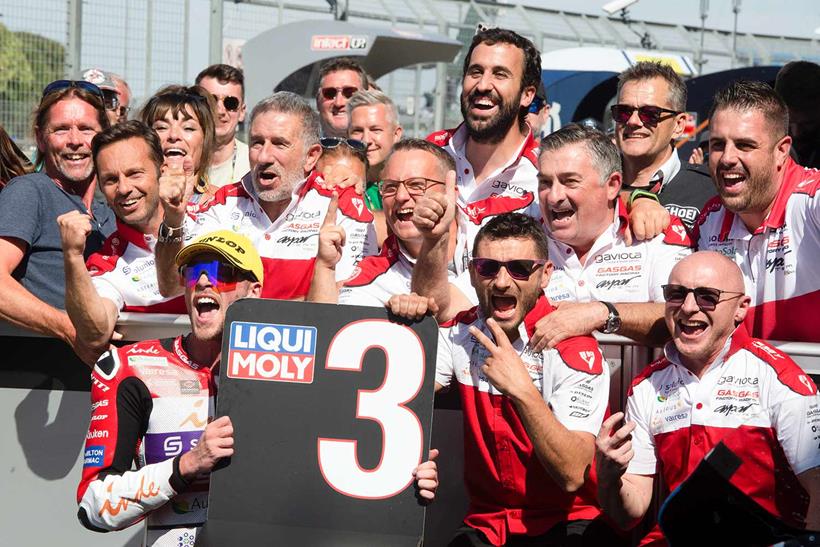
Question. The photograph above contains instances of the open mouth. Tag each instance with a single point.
(267, 176)
(129, 205)
(175, 153)
(76, 157)
(405, 214)
(206, 308)
(690, 328)
(503, 306)
(732, 181)
(560, 217)
(482, 104)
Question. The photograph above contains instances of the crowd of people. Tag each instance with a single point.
(521, 244)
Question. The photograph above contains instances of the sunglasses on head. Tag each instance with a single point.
(230, 102)
(329, 93)
(707, 298)
(221, 276)
(415, 186)
(328, 143)
(59, 85)
(648, 114)
(536, 105)
(520, 269)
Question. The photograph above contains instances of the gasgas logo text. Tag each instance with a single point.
(279, 353)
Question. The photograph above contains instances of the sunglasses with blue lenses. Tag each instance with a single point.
(536, 105)
(220, 275)
(59, 85)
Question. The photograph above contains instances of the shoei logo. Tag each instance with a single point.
(228, 242)
(279, 353)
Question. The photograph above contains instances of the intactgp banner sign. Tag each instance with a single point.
(331, 408)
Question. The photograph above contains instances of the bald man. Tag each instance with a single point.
(715, 383)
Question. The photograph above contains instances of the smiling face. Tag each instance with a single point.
(640, 140)
(181, 136)
(277, 155)
(226, 120)
(575, 205)
(700, 335)
(373, 125)
(333, 112)
(492, 94)
(503, 298)
(65, 141)
(744, 157)
(128, 178)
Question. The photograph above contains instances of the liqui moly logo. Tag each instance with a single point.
(279, 353)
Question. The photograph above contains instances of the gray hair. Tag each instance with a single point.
(291, 103)
(648, 70)
(365, 97)
(603, 153)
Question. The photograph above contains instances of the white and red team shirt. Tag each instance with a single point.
(512, 188)
(150, 404)
(123, 271)
(510, 491)
(753, 398)
(381, 276)
(613, 271)
(782, 298)
(289, 244)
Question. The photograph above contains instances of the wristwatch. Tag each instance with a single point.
(166, 234)
(613, 321)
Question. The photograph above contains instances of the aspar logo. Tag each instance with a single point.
(280, 353)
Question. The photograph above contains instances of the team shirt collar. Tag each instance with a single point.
(528, 148)
(135, 237)
(737, 341)
(667, 170)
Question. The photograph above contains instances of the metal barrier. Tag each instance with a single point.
(44, 412)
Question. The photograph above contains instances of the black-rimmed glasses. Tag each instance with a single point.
(415, 186)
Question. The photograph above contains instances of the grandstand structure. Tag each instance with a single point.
(150, 42)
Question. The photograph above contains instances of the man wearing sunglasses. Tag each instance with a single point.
(279, 205)
(153, 403)
(339, 79)
(649, 116)
(767, 215)
(715, 384)
(538, 113)
(530, 416)
(32, 280)
(413, 169)
(116, 91)
(121, 276)
(494, 149)
(229, 162)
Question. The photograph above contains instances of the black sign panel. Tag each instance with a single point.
(332, 408)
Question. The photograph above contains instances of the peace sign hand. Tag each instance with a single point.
(504, 368)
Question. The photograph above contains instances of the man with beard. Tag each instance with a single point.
(715, 384)
(31, 259)
(153, 404)
(495, 152)
(121, 275)
(229, 162)
(279, 205)
(339, 79)
(767, 214)
(530, 417)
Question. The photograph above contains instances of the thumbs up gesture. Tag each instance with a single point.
(176, 183)
(434, 212)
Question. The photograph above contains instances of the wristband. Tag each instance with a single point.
(641, 194)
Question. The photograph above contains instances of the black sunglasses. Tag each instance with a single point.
(59, 85)
(707, 298)
(329, 93)
(329, 143)
(520, 269)
(648, 114)
(230, 102)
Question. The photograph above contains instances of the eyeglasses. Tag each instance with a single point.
(59, 85)
(415, 186)
(111, 99)
(230, 102)
(706, 298)
(536, 105)
(221, 276)
(329, 143)
(329, 93)
(520, 269)
(648, 114)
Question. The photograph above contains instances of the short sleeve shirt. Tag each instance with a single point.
(29, 207)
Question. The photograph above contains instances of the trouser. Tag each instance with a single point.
(574, 533)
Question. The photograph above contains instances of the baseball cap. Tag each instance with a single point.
(100, 78)
(235, 248)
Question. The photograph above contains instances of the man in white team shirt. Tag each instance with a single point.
(715, 384)
(495, 152)
(121, 275)
(279, 205)
(767, 215)
(599, 282)
(413, 169)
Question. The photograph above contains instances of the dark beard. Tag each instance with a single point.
(496, 128)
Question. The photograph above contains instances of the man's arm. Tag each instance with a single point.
(566, 455)
(19, 307)
(810, 480)
(93, 316)
(323, 286)
(172, 184)
(640, 321)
